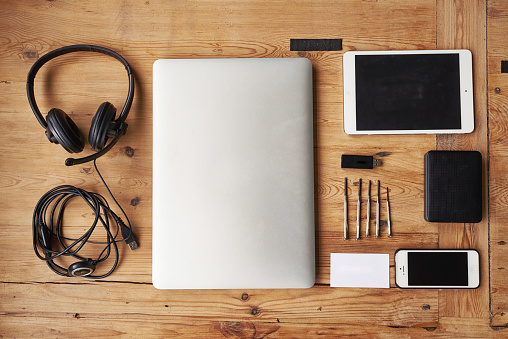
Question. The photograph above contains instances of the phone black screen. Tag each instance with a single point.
(437, 269)
(407, 92)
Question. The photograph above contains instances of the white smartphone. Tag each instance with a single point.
(408, 92)
(437, 268)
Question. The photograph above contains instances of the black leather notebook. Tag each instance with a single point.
(453, 186)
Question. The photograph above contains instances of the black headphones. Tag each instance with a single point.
(60, 129)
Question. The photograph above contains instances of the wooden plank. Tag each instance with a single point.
(71, 326)
(498, 101)
(499, 241)
(462, 24)
(394, 307)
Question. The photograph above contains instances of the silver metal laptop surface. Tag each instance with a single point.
(233, 174)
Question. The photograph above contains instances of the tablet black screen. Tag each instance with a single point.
(407, 92)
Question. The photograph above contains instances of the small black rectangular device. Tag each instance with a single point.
(359, 161)
(453, 186)
(437, 268)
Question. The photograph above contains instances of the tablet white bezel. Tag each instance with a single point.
(466, 92)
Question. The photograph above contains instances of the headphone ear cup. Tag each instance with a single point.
(62, 130)
(100, 128)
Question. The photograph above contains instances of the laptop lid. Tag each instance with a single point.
(233, 181)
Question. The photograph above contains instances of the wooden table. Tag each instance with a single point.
(36, 302)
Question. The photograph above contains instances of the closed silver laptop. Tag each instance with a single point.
(233, 179)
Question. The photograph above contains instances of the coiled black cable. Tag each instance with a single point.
(47, 227)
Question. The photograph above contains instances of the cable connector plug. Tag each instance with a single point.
(127, 235)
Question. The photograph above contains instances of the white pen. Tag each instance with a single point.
(345, 209)
(388, 214)
(377, 211)
(358, 210)
(368, 213)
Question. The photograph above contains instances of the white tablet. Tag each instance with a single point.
(408, 92)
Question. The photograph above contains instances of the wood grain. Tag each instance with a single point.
(462, 25)
(72, 324)
(36, 302)
(498, 87)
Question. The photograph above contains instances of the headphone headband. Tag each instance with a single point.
(70, 49)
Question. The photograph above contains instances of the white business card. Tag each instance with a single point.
(360, 270)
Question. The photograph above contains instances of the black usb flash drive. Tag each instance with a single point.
(359, 161)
